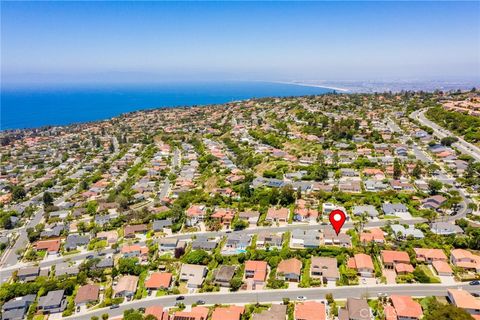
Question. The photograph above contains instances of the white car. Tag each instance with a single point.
(301, 298)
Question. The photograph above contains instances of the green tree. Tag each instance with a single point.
(448, 141)
(287, 195)
(18, 193)
(197, 257)
(474, 238)
(122, 201)
(83, 185)
(434, 186)
(240, 224)
(321, 172)
(417, 170)
(235, 283)
(397, 169)
(129, 266)
(132, 314)
(5, 219)
(430, 215)
(91, 207)
(420, 275)
(47, 198)
(432, 168)
(438, 311)
(472, 206)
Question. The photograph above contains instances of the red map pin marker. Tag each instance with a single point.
(337, 219)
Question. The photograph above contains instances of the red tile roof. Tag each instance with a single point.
(390, 313)
(197, 313)
(430, 254)
(195, 210)
(87, 293)
(281, 213)
(132, 229)
(406, 307)
(442, 266)
(259, 268)
(465, 259)
(159, 280)
(157, 312)
(134, 248)
(228, 313)
(290, 266)
(310, 310)
(374, 234)
(361, 261)
(52, 245)
(464, 299)
(390, 256)
(404, 268)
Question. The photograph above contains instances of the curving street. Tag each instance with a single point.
(268, 296)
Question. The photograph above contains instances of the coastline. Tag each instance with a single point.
(343, 90)
(82, 105)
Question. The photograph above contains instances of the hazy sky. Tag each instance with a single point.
(250, 40)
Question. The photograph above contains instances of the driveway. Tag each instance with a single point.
(369, 281)
(390, 275)
(447, 279)
(55, 316)
(292, 285)
(404, 215)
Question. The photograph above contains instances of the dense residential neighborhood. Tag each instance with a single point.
(222, 212)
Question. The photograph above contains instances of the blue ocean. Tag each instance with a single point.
(43, 106)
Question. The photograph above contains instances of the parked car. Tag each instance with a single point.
(301, 298)
(200, 302)
(180, 298)
(114, 306)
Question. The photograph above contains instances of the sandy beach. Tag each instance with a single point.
(312, 85)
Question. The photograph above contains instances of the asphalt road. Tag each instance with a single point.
(10, 256)
(290, 227)
(440, 132)
(264, 296)
(176, 158)
(393, 126)
(165, 189)
(420, 154)
(7, 271)
(10, 260)
(442, 176)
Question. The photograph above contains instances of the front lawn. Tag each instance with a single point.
(429, 274)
